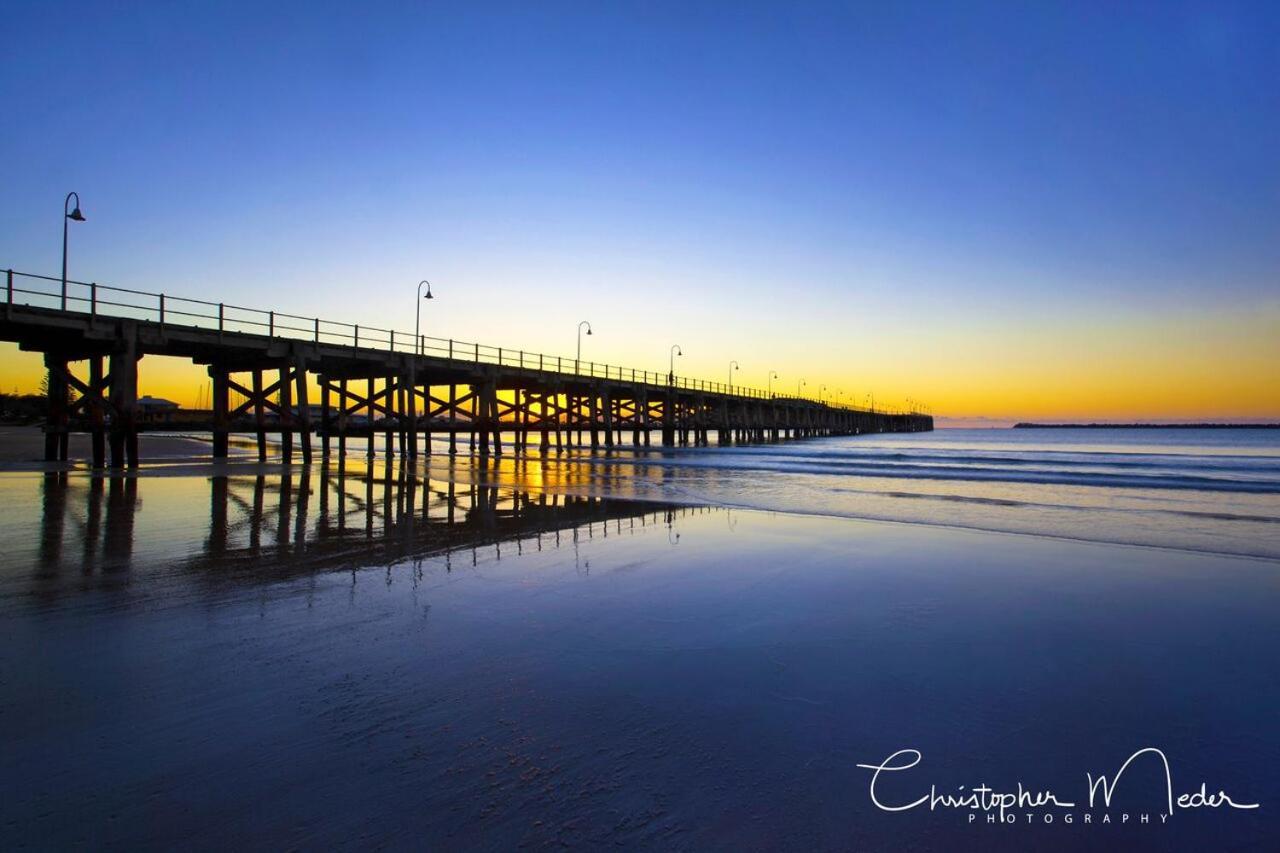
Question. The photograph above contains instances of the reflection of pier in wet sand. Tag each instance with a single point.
(286, 521)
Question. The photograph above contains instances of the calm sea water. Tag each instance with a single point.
(1204, 490)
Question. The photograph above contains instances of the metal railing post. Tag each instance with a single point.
(355, 340)
(317, 330)
(222, 314)
(271, 324)
(162, 312)
(93, 299)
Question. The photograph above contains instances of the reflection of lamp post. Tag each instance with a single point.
(68, 215)
(579, 358)
(417, 351)
(773, 374)
(675, 351)
(733, 365)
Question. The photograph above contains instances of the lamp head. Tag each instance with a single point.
(588, 331)
(76, 214)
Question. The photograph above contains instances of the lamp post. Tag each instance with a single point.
(73, 215)
(578, 358)
(799, 385)
(773, 374)
(675, 351)
(821, 388)
(417, 316)
(413, 362)
(733, 365)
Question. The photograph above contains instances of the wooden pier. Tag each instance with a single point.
(379, 383)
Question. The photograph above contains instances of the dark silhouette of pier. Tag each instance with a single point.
(373, 382)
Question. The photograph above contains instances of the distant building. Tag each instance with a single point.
(156, 409)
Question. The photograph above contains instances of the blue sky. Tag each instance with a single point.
(798, 185)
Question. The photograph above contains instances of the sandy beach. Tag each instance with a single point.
(218, 662)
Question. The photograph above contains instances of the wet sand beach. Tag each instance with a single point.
(365, 658)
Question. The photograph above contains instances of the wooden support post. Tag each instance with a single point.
(520, 399)
(97, 418)
(373, 436)
(594, 414)
(479, 426)
(389, 406)
(493, 416)
(402, 418)
(221, 407)
(325, 426)
(426, 421)
(644, 415)
(475, 415)
(286, 415)
(342, 421)
(124, 398)
(544, 421)
(304, 408)
(259, 415)
(453, 418)
(56, 420)
(411, 413)
(606, 403)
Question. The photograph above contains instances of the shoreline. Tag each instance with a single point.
(1244, 525)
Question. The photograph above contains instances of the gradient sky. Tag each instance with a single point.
(1008, 210)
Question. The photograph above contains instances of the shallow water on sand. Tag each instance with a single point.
(301, 659)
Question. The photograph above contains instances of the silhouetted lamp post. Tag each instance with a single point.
(800, 385)
(675, 351)
(579, 357)
(75, 215)
(773, 374)
(417, 316)
(417, 351)
(733, 365)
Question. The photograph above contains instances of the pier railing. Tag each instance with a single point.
(93, 299)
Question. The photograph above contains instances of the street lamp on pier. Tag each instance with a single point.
(671, 374)
(579, 356)
(72, 215)
(733, 365)
(417, 351)
(773, 374)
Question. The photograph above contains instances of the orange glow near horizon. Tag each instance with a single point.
(1220, 367)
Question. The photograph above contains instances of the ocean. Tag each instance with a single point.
(1208, 490)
